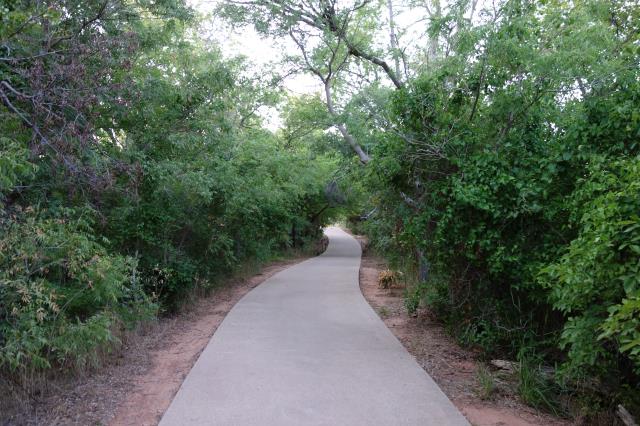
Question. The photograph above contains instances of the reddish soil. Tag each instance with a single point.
(136, 385)
(452, 367)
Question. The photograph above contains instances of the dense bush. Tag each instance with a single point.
(512, 169)
(595, 282)
(61, 290)
(133, 169)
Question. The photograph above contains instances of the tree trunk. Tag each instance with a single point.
(395, 50)
(433, 41)
(363, 156)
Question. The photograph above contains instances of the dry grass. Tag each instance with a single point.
(388, 279)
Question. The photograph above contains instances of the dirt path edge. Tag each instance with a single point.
(154, 390)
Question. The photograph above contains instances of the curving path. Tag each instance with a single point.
(305, 348)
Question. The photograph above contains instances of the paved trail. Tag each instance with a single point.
(305, 348)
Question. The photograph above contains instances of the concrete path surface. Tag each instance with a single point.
(305, 348)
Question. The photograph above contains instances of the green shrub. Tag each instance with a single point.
(516, 175)
(535, 387)
(486, 383)
(134, 168)
(62, 295)
(413, 297)
(596, 282)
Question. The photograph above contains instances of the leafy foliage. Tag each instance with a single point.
(595, 282)
(133, 169)
(510, 169)
(61, 290)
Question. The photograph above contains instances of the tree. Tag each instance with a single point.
(61, 61)
(133, 169)
(328, 35)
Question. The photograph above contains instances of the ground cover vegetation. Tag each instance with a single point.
(488, 149)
